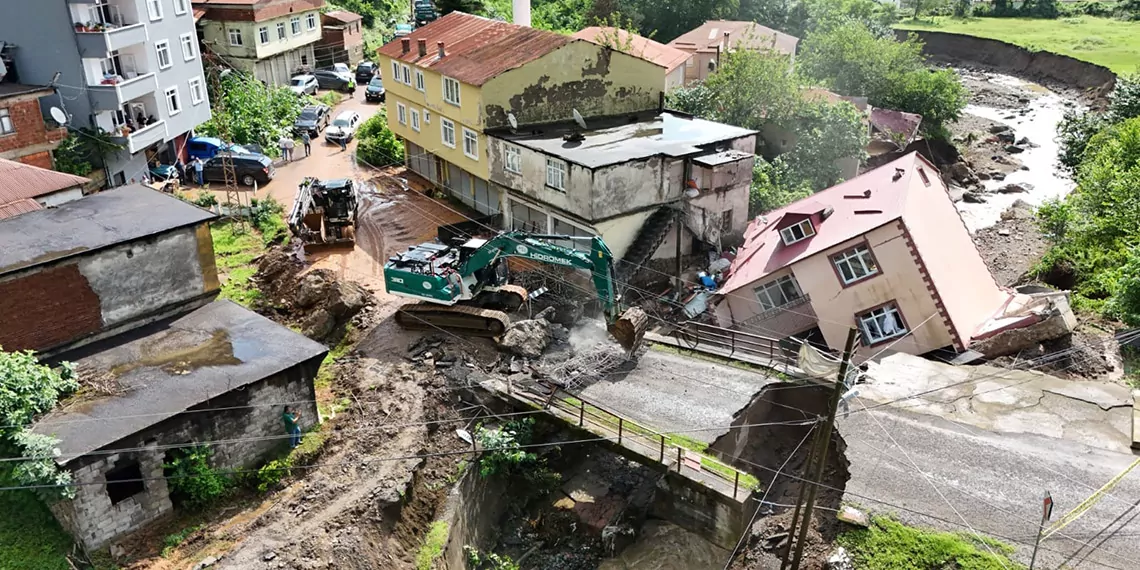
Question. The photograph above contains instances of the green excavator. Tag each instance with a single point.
(464, 288)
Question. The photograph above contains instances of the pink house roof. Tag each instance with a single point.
(638, 46)
(858, 206)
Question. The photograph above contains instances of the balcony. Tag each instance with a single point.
(103, 28)
(792, 317)
(112, 96)
(144, 137)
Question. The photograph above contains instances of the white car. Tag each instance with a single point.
(304, 85)
(343, 127)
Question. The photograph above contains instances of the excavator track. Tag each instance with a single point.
(506, 298)
(458, 319)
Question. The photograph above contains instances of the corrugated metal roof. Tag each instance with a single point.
(19, 181)
(12, 209)
(747, 35)
(343, 16)
(639, 46)
(476, 49)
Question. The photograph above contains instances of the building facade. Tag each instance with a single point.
(342, 39)
(128, 67)
(272, 39)
(24, 134)
(716, 37)
(672, 60)
(26, 188)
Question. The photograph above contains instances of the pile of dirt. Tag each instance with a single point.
(1013, 246)
(770, 540)
(317, 301)
(528, 338)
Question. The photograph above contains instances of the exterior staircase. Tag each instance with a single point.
(648, 239)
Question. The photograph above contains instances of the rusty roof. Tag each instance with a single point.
(343, 16)
(251, 10)
(12, 209)
(476, 49)
(639, 46)
(19, 181)
(745, 35)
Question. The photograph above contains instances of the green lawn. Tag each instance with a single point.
(29, 535)
(1112, 43)
(891, 545)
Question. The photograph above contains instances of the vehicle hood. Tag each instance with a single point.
(297, 89)
(375, 89)
(331, 130)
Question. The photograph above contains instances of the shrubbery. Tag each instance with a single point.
(193, 482)
(377, 145)
(27, 390)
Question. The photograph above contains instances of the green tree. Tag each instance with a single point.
(825, 135)
(378, 145)
(254, 113)
(773, 187)
(445, 7)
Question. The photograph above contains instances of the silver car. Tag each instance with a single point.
(343, 127)
(304, 85)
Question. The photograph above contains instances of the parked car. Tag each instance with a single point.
(304, 85)
(313, 118)
(375, 90)
(249, 168)
(340, 81)
(343, 127)
(365, 71)
(337, 67)
(206, 148)
(403, 30)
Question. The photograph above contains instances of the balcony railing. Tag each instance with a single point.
(106, 29)
(146, 136)
(776, 310)
(112, 96)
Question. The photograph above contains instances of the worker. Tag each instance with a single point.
(307, 141)
(198, 170)
(292, 426)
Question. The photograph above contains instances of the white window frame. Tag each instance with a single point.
(420, 82)
(470, 139)
(789, 234)
(7, 127)
(859, 261)
(180, 7)
(451, 91)
(556, 171)
(395, 71)
(512, 158)
(197, 94)
(311, 21)
(160, 48)
(415, 119)
(773, 295)
(871, 324)
(188, 52)
(446, 125)
(263, 35)
(407, 72)
(154, 9)
(401, 113)
(281, 34)
(177, 99)
(235, 33)
(295, 25)
(427, 117)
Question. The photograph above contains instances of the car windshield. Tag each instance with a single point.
(341, 123)
(376, 82)
(308, 115)
(299, 82)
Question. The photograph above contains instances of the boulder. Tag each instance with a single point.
(1006, 136)
(961, 173)
(997, 175)
(1015, 188)
(1014, 149)
(972, 197)
(997, 129)
(313, 289)
(528, 338)
(318, 325)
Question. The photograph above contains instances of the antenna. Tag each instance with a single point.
(513, 121)
(578, 119)
(58, 115)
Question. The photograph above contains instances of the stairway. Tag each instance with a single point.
(649, 238)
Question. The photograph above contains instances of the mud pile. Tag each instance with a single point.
(317, 302)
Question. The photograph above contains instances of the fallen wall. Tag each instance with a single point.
(1043, 66)
(472, 512)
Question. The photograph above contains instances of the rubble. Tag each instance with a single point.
(529, 338)
(840, 560)
(317, 302)
(1015, 188)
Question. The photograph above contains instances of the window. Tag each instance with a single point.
(726, 221)
(188, 45)
(556, 174)
(470, 144)
(855, 264)
(6, 126)
(447, 131)
(427, 117)
(559, 227)
(124, 482)
(304, 59)
(420, 81)
(881, 324)
(407, 75)
(778, 293)
(451, 90)
(173, 105)
(280, 30)
(311, 21)
(235, 37)
(154, 9)
(163, 49)
(527, 219)
(797, 232)
(415, 120)
(513, 162)
(295, 24)
(196, 95)
(396, 71)
(179, 7)
(263, 35)
(401, 113)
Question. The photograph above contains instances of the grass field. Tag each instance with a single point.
(1112, 43)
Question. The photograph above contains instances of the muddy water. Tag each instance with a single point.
(1039, 125)
(665, 546)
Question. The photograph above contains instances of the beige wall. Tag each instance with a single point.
(675, 78)
(216, 35)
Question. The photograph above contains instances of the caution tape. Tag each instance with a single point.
(1087, 503)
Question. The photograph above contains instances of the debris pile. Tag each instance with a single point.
(529, 338)
(318, 302)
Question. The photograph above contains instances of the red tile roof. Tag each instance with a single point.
(343, 16)
(859, 205)
(639, 46)
(19, 181)
(747, 35)
(476, 49)
(18, 207)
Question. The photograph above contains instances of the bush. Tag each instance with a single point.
(193, 482)
(254, 113)
(434, 542)
(269, 219)
(378, 145)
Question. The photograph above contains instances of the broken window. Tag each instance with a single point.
(527, 219)
(124, 482)
(881, 324)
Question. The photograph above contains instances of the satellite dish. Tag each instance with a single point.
(578, 119)
(513, 121)
(58, 115)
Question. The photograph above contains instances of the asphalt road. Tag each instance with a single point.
(966, 477)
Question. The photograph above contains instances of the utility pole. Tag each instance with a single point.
(1046, 513)
(820, 463)
(232, 201)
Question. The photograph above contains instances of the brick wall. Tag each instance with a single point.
(40, 159)
(43, 308)
(32, 136)
(254, 430)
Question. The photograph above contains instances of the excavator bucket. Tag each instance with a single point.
(630, 328)
(345, 243)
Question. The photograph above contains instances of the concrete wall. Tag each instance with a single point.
(531, 182)
(595, 80)
(216, 35)
(60, 197)
(675, 78)
(83, 298)
(279, 69)
(715, 517)
(473, 511)
(93, 520)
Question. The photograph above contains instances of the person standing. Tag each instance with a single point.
(284, 149)
(291, 419)
(180, 168)
(308, 142)
(289, 145)
(198, 170)
(342, 140)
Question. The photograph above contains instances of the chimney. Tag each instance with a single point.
(442, 52)
(520, 9)
(422, 45)
(727, 45)
(405, 45)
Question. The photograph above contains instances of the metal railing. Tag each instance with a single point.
(802, 299)
(693, 335)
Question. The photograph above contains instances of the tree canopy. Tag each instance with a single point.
(254, 113)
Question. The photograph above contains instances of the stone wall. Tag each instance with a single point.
(715, 517)
(251, 435)
(472, 512)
